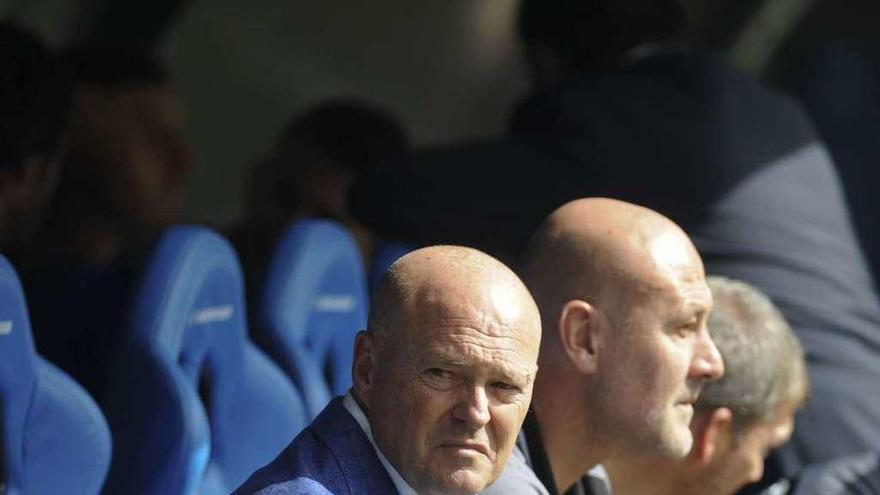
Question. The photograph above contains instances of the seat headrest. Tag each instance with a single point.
(315, 293)
(192, 287)
(202, 408)
(18, 368)
(54, 439)
(190, 312)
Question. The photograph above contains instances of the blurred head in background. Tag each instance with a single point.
(318, 156)
(128, 162)
(34, 101)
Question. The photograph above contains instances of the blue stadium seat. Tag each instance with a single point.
(194, 406)
(314, 302)
(386, 254)
(53, 437)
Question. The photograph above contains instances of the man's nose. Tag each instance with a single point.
(473, 407)
(707, 365)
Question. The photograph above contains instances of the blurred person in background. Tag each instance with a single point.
(739, 418)
(622, 107)
(851, 475)
(123, 182)
(831, 62)
(316, 160)
(34, 101)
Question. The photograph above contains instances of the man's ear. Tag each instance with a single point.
(712, 430)
(579, 335)
(363, 369)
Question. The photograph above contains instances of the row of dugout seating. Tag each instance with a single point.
(195, 405)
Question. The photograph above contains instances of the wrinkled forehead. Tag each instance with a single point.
(499, 309)
(465, 346)
(496, 314)
(680, 295)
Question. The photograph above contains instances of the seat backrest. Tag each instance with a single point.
(387, 252)
(53, 437)
(193, 404)
(315, 298)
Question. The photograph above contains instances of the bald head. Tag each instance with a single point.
(600, 249)
(432, 278)
(446, 367)
(626, 351)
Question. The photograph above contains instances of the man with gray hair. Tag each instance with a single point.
(738, 418)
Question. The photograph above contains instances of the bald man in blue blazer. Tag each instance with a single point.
(442, 381)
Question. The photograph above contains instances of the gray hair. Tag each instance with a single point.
(764, 362)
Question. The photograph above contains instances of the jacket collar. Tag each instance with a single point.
(348, 443)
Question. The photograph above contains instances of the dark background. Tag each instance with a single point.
(449, 69)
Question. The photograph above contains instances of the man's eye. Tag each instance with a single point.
(439, 373)
(687, 329)
(507, 387)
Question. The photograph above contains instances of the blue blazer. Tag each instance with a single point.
(332, 456)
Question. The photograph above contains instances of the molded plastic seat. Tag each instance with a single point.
(194, 405)
(314, 303)
(54, 438)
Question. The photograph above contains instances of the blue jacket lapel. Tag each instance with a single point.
(361, 468)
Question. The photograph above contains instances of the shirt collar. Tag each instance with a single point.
(530, 442)
(355, 410)
(599, 481)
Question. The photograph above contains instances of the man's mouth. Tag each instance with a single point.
(691, 398)
(467, 446)
(689, 401)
